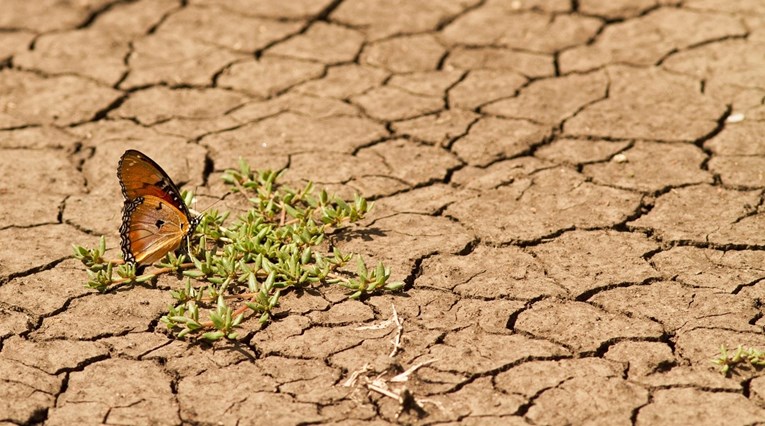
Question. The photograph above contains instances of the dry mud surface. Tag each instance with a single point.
(571, 190)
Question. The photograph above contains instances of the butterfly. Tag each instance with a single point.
(155, 220)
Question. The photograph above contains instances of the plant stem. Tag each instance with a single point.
(335, 276)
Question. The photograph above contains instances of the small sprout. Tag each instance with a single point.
(100, 279)
(726, 361)
(91, 257)
(127, 271)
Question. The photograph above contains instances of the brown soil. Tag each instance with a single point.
(571, 190)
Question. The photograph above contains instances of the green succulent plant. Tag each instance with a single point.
(740, 356)
(241, 267)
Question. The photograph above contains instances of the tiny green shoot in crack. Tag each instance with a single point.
(727, 361)
(241, 267)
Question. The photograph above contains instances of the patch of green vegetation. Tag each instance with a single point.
(241, 267)
(740, 357)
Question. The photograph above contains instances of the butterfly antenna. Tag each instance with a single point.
(194, 200)
(208, 207)
(196, 212)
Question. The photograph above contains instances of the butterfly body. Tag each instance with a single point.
(155, 220)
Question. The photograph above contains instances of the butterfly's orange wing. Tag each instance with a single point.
(152, 227)
(140, 176)
(155, 219)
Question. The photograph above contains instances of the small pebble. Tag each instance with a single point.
(735, 118)
(619, 158)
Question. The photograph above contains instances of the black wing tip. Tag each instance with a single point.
(133, 151)
(129, 152)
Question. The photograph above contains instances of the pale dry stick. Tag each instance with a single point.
(381, 388)
(283, 217)
(378, 326)
(399, 331)
(403, 396)
(377, 382)
(403, 377)
(355, 375)
(380, 385)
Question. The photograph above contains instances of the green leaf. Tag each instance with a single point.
(254, 307)
(274, 300)
(361, 265)
(380, 271)
(217, 320)
(101, 246)
(293, 212)
(394, 286)
(212, 336)
(194, 273)
(144, 278)
(237, 320)
(269, 281)
(342, 205)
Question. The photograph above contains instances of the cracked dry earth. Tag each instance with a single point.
(570, 189)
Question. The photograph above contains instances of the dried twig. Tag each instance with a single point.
(399, 331)
(394, 319)
(401, 394)
(381, 385)
(283, 217)
(382, 388)
(403, 377)
(404, 397)
(355, 375)
(378, 326)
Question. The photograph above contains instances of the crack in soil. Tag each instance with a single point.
(31, 271)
